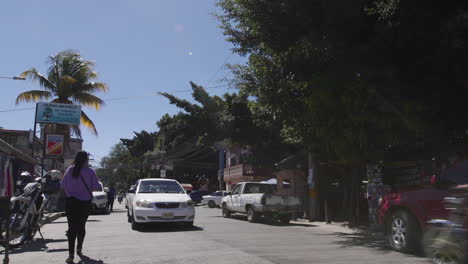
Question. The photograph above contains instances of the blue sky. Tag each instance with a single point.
(140, 47)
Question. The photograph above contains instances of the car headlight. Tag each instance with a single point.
(188, 203)
(144, 203)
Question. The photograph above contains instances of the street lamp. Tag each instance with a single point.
(13, 78)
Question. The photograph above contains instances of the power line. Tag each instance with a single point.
(219, 68)
(124, 97)
(14, 110)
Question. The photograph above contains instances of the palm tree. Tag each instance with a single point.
(69, 81)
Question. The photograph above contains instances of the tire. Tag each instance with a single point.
(211, 204)
(18, 236)
(285, 219)
(252, 216)
(135, 226)
(226, 212)
(441, 247)
(404, 234)
(129, 218)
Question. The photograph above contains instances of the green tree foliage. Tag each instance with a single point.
(119, 168)
(354, 79)
(141, 143)
(230, 118)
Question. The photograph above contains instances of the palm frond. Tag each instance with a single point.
(76, 130)
(33, 96)
(89, 100)
(94, 87)
(34, 75)
(86, 121)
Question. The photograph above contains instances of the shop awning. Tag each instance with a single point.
(9, 149)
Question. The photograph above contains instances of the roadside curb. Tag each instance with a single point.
(49, 218)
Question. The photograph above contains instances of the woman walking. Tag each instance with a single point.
(78, 183)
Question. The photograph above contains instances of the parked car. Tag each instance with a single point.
(187, 187)
(197, 196)
(404, 214)
(100, 200)
(257, 199)
(213, 200)
(159, 200)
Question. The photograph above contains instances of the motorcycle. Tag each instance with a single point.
(27, 209)
(446, 241)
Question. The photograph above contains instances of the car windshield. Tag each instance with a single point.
(160, 187)
(258, 188)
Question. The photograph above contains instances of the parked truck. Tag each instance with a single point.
(258, 199)
(404, 214)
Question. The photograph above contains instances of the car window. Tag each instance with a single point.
(160, 187)
(236, 190)
(258, 188)
(217, 194)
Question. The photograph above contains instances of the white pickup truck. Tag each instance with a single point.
(257, 199)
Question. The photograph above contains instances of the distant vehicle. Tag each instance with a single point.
(213, 200)
(99, 200)
(404, 214)
(159, 200)
(187, 187)
(256, 199)
(197, 196)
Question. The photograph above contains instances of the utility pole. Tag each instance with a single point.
(311, 180)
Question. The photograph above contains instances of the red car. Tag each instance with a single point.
(404, 214)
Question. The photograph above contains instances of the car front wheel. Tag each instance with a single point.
(226, 212)
(211, 204)
(404, 232)
(135, 225)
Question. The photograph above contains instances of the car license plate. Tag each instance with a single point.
(168, 215)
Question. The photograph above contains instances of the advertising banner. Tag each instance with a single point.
(54, 145)
(58, 113)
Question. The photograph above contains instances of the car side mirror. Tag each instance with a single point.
(131, 191)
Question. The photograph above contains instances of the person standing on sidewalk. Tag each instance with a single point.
(78, 183)
(111, 198)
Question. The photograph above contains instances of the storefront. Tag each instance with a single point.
(12, 163)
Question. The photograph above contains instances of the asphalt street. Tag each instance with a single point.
(213, 240)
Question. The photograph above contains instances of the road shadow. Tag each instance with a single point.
(39, 245)
(58, 222)
(166, 227)
(118, 211)
(364, 238)
(270, 222)
(87, 260)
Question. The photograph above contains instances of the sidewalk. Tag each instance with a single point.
(50, 217)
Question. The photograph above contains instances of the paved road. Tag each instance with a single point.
(214, 240)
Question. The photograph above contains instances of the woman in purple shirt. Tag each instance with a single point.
(78, 183)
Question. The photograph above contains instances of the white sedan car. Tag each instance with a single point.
(99, 199)
(214, 199)
(159, 200)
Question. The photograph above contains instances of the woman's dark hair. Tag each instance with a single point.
(80, 160)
